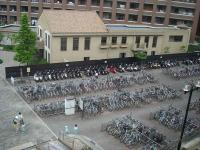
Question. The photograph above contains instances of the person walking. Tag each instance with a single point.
(76, 129)
(16, 124)
(21, 119)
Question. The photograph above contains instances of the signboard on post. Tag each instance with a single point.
(28, 70)
(69, 106)
(81, 104)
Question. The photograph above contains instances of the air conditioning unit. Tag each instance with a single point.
(70, 3)
(122, 6)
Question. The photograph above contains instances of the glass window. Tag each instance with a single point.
(124, 39)
(75, 43)
(114, 40)
(137, 41)
(154, 44)
(177, 38)
(103, 40)
(63, 44)
(87, 43)
(146, 40)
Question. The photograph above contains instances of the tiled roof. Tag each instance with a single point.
(73, 21)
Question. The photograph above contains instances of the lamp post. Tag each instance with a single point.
(187, 89)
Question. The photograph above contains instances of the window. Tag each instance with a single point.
(103, 40)
(75, 43)
(122, 55)
(40, 32)
(137, 41)
(63, 44)
(146, 40)
(107, 15)
(176, 38)
(86, 58)
(120, 16)
(87, 43)
(114, 40)
(124, 39)
(154, 44)
(132, 17)
(146, 19)
(45, 39)
(48, 43)
(134, 5)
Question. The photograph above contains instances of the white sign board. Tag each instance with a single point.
(69, 107)
(81, 104)
(12, 80)
(28, 69)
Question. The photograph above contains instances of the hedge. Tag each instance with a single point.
(193, 48)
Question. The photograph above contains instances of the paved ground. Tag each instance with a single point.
(10, 105)
(91, 127)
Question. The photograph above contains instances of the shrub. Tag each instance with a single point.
(1, 61)
(8, 48)
(193, 48)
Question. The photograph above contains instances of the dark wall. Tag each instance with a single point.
(17, 71)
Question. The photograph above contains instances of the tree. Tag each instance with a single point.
(25, 42)
(1, 37)
(141, 55)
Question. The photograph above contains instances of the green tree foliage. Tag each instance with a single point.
(25, 42)
(1, 36)
(140, 54)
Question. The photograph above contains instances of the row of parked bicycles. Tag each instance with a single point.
(173, 118)
(195, 106)
(119, 100)
(132, 132)
(95, 105)
(104, 69)
(87, 85)
(183, 72)
(95, 70)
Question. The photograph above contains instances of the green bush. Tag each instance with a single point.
(1, 61)
(8, 48)
(193, 48)
(140, 55)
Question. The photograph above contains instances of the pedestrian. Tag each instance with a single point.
(16, 124)
(76, 129)
(96, 75)
(21, 119)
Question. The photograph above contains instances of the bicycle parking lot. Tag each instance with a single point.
(141, 93)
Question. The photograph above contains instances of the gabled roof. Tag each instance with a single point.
(73, 21)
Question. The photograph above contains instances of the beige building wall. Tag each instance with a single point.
(113, 51)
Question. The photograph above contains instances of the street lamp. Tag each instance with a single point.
(188, 88)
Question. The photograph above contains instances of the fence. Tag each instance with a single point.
(18, 71)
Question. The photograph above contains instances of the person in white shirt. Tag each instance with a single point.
(76, 130)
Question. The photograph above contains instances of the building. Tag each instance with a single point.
(146, 12)
(82, 35)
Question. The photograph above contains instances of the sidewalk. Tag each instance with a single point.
(10, 105)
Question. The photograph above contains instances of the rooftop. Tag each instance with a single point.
(73, 21)
(125, 27)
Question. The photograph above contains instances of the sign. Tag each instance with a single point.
(12, 80)
(28, 69)
(81, 104)
(69, 106)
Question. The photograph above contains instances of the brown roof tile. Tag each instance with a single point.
(73, 21)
